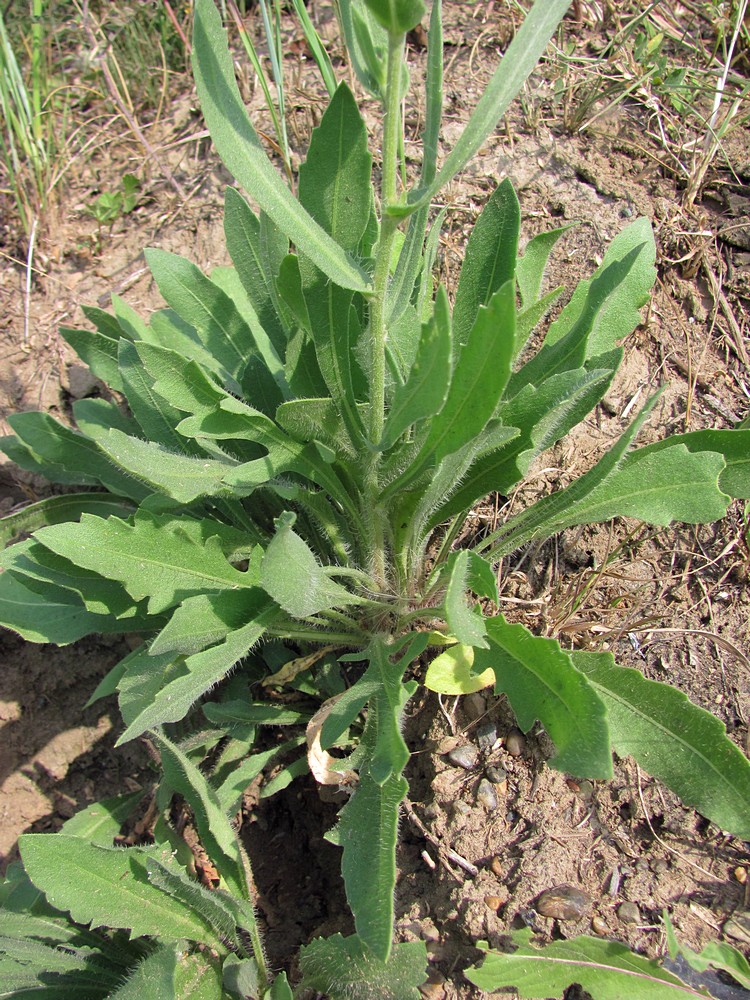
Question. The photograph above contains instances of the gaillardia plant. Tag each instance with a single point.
(290, 451)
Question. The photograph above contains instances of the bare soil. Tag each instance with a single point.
(671, 602)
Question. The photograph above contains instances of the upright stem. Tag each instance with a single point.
(378, 332)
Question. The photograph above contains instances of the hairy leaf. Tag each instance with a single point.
(240, 148)
(158, 557)
(108, 886)
(287, 561)
(343, 969)
(684, 746)
(542, 683)
(607, 969)
(489, 259)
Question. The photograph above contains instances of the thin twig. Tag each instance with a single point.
(446, 853)
(122, 107)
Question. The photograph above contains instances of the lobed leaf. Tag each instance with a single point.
(108, 887)
(607, 969)
(542, 682)
(239, 147)
(159, 557)
(675, 741)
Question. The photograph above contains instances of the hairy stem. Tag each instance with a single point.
(378, 333)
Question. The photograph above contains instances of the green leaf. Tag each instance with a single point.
(239, 147)
(659, 486)
(155, 417)
(334, 180)
(368, 830)
(58, 616)
(481, 373)
(335, 188)
(231, 790)
(159, 557)
(397, 16)
(530, 267)
(621, 315)
(157, 697)
(242, 713)
(675, 741)
(489, 260)
(464, 622)
(96, 351)
(38, 568)
(151, 979)
(452, 673)
(203, 305)
(173, 973)
(59, 510)
(101, 822)
(602, 311)
(317, 419)
(434, 94)
(257, 255)
(366, 42)
(108, 886)
(733, 445)
(66, 456)
(205, 619)
(475, 389)
(216, 833)
(426, 387)
(716, 955)
(523, 54)
(542, 683)
(343, 969)
(294, 578)
(368, 826)
(607, 969)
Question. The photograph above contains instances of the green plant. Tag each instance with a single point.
(31, 153)
(131, 922)
(606, 969)
(305, 434)
(110, 206)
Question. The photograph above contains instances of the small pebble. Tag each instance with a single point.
(497, 775)
(496, 866)
(564, 902)
(486, 795)
(434, 988)
(515, 742)
(599, 926)
(474, 705)
(461, 808)
(486, 735)
(493, 902)
(738, 927)
(628, 913)
(465, 756)
(740, 874)
(659, 866)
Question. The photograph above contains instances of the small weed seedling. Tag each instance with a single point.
(304, 436)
